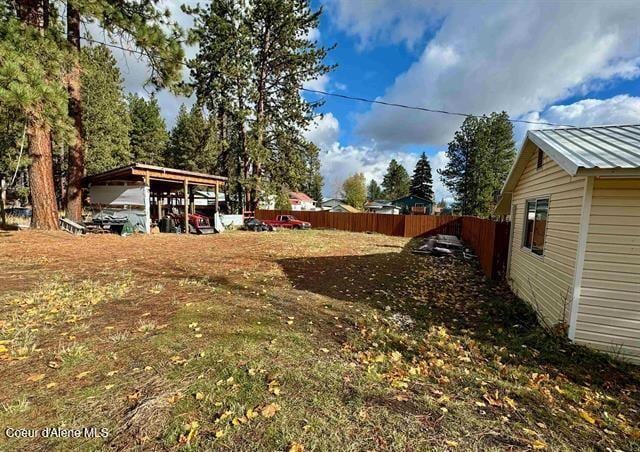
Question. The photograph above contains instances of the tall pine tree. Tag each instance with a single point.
(422, 181)
(152, 32)
(480, 156)
(105, 115)
(252, 60)
(148, 135)
(396, 182)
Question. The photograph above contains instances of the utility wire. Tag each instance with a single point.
(363, 99)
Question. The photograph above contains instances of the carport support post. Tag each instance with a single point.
(186, 206)
(216, 192)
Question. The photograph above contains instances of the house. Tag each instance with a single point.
(413, 204)
(301, 201)
(346, 208)
(381, 206)
(330, 203)
(573, 196)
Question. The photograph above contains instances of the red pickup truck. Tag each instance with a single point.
(287, 222)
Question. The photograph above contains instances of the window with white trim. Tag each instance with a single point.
(535, 224)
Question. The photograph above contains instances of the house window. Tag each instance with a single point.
(535, 224)
(540, 158)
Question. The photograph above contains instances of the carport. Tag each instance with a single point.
(142, 190)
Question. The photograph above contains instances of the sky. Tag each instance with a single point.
(569, 62)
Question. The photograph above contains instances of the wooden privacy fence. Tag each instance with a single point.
(489, 239)
(397, 225)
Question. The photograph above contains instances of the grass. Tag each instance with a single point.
(326, 340)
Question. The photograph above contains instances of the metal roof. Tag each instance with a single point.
(602, 147)
(606, 151)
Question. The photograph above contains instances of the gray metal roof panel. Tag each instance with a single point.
(604, 147)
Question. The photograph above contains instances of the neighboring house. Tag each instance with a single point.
(301, 201)
(413, 204)
(344, 208)
(381, 206)
(573, 196)
(330, 203)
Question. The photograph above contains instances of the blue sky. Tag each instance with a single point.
(566, 62)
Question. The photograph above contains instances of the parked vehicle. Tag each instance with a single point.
(288, 222)
(198, 224)
(253, 224)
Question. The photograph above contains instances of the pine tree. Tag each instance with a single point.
(33, 67)
(148, 135)
(422, 182)
(105, 115)
(355, 193)
(373, 191)
(396, 182)
(50, 80)
(192, 145)
(251, 62)
(151, 31)
(480, 156)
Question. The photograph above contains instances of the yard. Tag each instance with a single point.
(319, 340)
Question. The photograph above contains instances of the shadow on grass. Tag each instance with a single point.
(453, 293)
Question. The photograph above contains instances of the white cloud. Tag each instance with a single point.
(386, 20)
(319, 83)
(517, 56)
(339, 162)
(622, 109)
(324, 131)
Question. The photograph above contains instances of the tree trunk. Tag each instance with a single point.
(75, 170)
(44, 213)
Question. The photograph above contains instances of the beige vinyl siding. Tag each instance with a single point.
(609, 309)
(546, 282)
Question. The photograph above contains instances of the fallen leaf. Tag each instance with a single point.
(539, 444)
(296, 447)
(199, 396)
(35, 377)
(452, 443)
(82, 374)
(51, 385)
(586, 416)
(270, 410)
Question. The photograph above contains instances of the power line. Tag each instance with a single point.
(429, 110)
(361, 99)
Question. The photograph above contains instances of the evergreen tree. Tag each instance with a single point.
(193, 144)
(251, 62)
(422, 182)
(355, 193)
(373, 191)
(480, 156)
(396, 182)
(148, 135)
(33, 67)
(45, 80)
(152, 32)
(105, 115)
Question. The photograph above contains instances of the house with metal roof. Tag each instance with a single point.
(573, 196)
